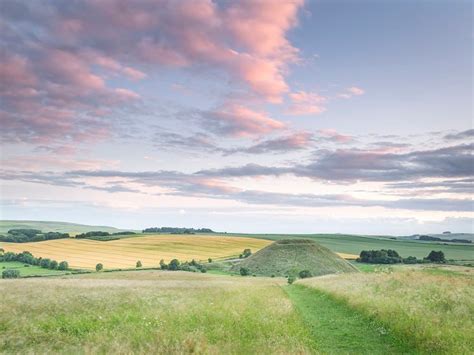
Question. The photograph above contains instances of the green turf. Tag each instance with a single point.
(30, 270)
(337, 329)
(289, 257)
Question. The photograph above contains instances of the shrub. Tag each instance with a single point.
(44, 263)
(99, 267)
(63, 265)
(244, 271)
(209, 260)
(10, 274)
(246, 253)
(163, 265)
(305, 274)
(203, 270)
(379, 257)
(174, 265)
(53, 265)
(291, 279)
(436, 257)
(139, 263)
(410, 260)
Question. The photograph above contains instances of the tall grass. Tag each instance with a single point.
(149, 312)
(433, 312)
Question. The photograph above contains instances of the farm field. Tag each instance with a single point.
(29, 270)
(149, 249)
(353, 245)
(431, 307)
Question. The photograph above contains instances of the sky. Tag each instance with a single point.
(291, 116)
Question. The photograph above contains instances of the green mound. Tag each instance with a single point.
(290, 256)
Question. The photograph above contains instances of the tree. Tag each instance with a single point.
(99, 267)
(436, 257)
(291, 279)
(139, 263)
(209, 260)
(44, 263)
(63, 265)
(163, 265)
(247, 253)
(305, 274)
(10, 274)
(174, 265)
(244, 271)
(53, 265)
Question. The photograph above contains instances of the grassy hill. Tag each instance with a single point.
(290, 256)
(51, 226)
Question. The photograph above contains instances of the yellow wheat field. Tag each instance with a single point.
(150, 249)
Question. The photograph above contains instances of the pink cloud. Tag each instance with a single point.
(247, 39)
(237, 120)
(333, 135)
(352, 91)
(306, 103)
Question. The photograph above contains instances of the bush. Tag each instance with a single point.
(291, 279)
(436, 257)
(10, 274)
(379, 257)
(44, 263)
(174, 265)
(410, 260)
(139, 263)
(99, 267)
(246, 253)
(53, 264)
(209, 260)
(305, 274)
(163, 265)
(244, 271)
(63, 265)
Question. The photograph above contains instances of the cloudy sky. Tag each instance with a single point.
(245, 116)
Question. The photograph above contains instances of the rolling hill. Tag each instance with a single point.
(290, 256)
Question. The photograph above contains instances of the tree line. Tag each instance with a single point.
(102, 236)
(27, 258)
(30, 235)
(389, 256)
(176, 230)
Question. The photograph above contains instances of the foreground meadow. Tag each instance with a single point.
(149, 312)
(149, 249)
(432, 309)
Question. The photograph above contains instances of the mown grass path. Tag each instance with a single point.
(338, 329)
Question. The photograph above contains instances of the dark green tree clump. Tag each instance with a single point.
(305, 274)
(245, 254)
(436, 257)
(379, 257)
(27, 258)
(99, 267)
(10, 274)
(30, 235)
(139, 263)
(175, 265)
(175, 230)
(244, 271)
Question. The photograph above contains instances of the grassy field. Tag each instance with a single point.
(149, 249)
(289, 257)
(150, 312)
(179, 313)
(340, 330)
(50, 226)
(29, 270)
(432, 310)
(352, 244)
